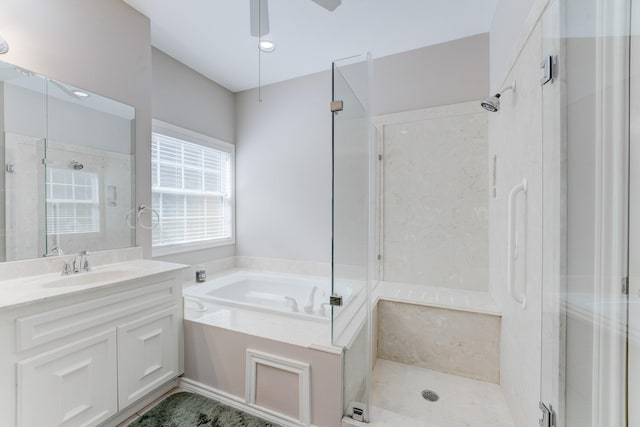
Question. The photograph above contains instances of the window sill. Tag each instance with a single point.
(190, 247)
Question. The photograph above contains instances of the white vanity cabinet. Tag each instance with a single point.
(147, 354)
(73, 385)
(80, 359)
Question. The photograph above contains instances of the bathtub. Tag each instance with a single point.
(286, 294)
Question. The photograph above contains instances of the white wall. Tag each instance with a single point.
(284, 143)
(515, 137)
(506, 30)
(101, 46)
(185, 98)
(436, 197)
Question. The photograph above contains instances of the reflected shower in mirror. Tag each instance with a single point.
(69, 168)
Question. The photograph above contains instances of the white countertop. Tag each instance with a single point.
(23, 290)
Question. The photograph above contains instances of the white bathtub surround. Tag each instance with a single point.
(213, 268)
(450, 341)
(285, 294)
(435, 196)
(218, 362)
(310, 268)
(397, 400)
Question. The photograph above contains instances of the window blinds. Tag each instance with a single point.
(191, 186)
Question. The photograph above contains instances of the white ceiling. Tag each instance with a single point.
(213, 37)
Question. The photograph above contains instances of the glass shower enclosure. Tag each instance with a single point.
(352, 258)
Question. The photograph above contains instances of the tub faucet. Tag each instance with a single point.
(308, 307)
(294, 303)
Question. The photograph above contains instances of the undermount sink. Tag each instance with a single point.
(80, 279)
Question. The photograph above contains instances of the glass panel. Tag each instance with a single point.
(89, 149)
(633, 375)
(23, 126)
(88, 143)
(554, 215)
(586, 238)
(352, 189)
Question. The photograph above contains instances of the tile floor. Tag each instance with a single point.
(397, 401)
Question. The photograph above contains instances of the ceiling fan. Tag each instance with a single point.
(260, 14)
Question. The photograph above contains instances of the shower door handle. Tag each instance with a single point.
(512, 243)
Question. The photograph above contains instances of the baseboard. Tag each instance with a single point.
(237, 403)
(133, 409)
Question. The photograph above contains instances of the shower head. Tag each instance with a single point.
(492, 103)
(76, 165)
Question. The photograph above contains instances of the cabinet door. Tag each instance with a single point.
(147, 354)
(74, 385)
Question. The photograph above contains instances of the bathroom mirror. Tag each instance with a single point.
(68, 158)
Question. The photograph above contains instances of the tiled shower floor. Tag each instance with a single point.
(396, 399)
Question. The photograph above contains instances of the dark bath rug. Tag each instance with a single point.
(191, 410)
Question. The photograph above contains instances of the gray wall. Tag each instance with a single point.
(446, 73)
(102, 46)
(187, 99)
(284, 143)
(283, 175)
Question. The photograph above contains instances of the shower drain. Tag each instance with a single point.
(429, 395)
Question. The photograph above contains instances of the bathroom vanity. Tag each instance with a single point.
(79, 349)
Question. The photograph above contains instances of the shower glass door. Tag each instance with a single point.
(351, 248)
(589, 186)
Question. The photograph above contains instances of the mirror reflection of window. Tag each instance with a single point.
(73, 202)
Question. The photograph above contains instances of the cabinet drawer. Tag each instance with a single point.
(147, 354)
(74, 385)
(52, 325)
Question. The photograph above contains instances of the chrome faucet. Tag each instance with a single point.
(294, 303)
(56, 250)
(79, 264)
(308, 307)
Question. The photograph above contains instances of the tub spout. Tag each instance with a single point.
(308, 307)
(201, 306)
(294, 303)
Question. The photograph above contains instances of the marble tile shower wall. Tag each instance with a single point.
(436, 195)
(515, 137)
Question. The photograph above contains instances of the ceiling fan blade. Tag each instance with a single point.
(259, 17)
(330, 5)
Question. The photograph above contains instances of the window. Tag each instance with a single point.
(192, 186)
(73, 202)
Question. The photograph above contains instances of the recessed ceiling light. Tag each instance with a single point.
(80, 93)
(267, 46)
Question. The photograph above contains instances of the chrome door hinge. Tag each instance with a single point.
(549, 66)
(380, 157)
(336, 106)
(548, 419)
(625, 286)
(335, 300)
(47, 162)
